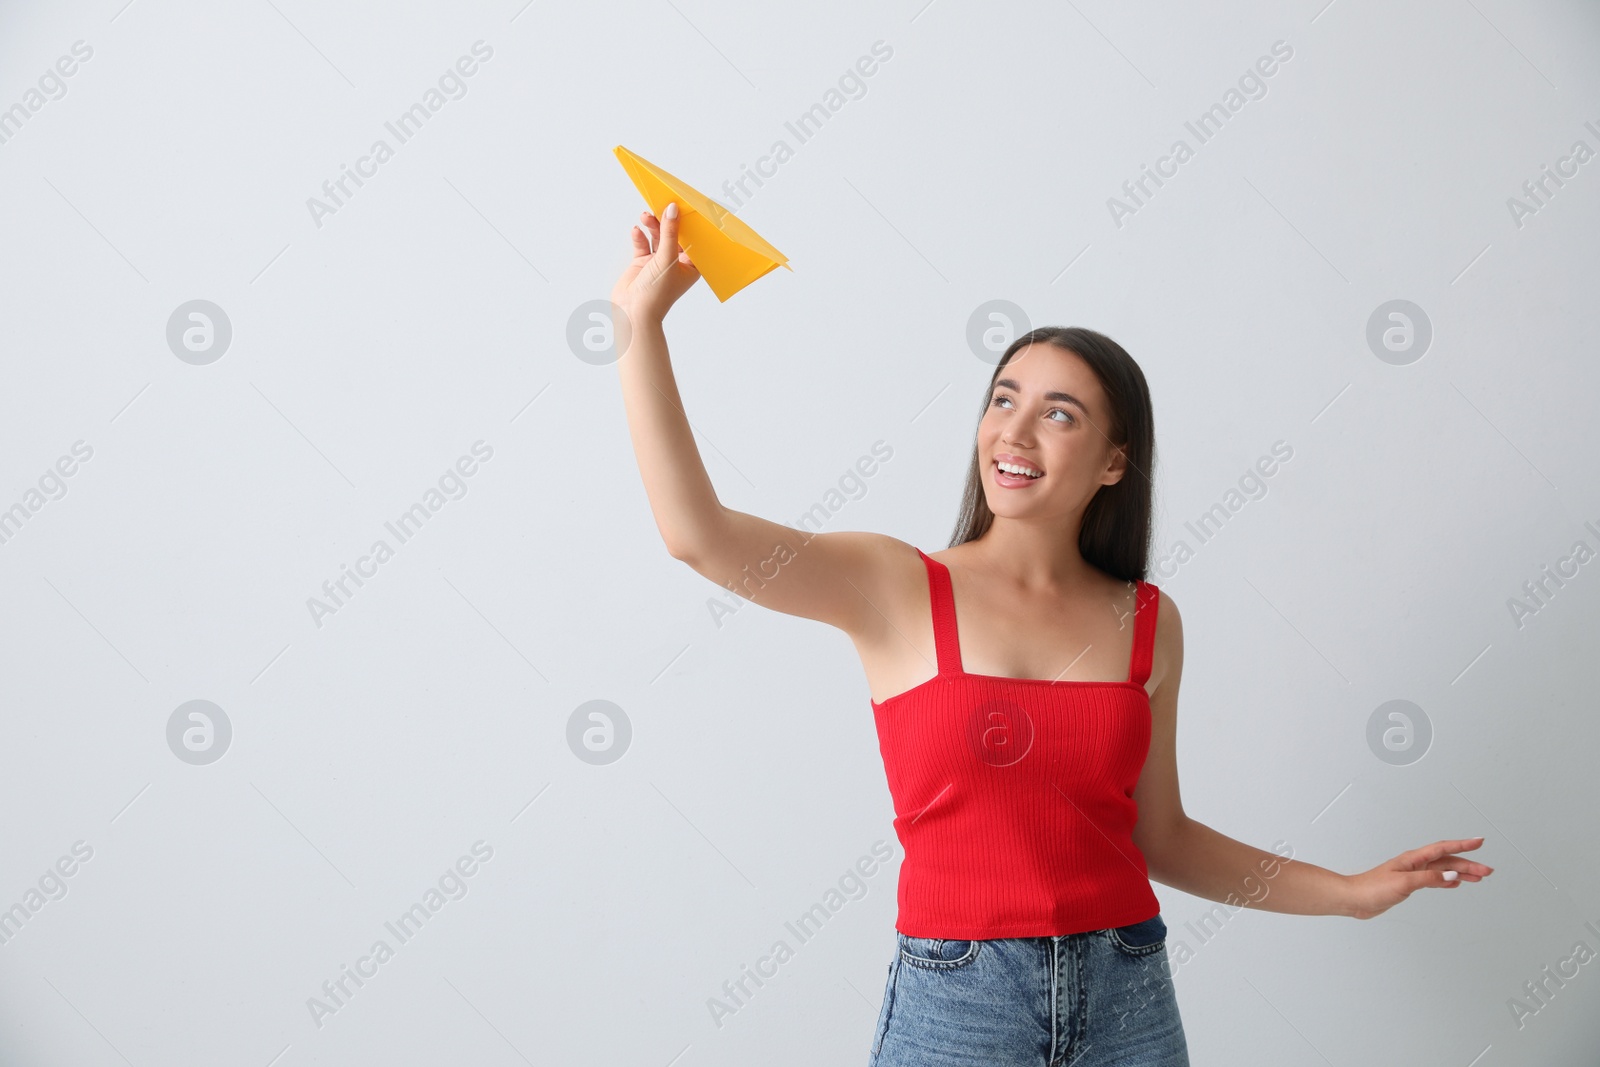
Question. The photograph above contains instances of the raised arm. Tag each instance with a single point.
(838, 578)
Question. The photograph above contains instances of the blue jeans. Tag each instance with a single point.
(1092, 999)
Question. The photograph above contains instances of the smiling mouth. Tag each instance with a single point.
(1010, 479)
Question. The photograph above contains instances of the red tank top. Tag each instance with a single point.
(1013, 797)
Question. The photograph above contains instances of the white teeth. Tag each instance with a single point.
(1013, 468)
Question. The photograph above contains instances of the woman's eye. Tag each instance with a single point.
(1071, 419)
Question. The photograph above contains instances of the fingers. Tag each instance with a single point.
(667, 242)
(1411, 881)
(653, 224)
(1466, 844)
(644, 234)
(1429, 853)
(641, 243)
(668, 259)
(1439, 857)
(664, 233)
(1466, 870)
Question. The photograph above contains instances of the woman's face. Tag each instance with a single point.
(1047, 411)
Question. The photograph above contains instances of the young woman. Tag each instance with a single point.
(1025, 687)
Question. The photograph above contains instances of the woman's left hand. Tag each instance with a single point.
(1432, 866)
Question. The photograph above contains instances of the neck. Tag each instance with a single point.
(1032, 553)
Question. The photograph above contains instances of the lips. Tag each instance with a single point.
(1007, 480)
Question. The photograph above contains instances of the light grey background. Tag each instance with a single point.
(431, 711)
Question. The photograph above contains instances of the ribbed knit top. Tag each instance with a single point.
(1013, 797)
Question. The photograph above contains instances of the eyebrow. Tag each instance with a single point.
(1066, 398)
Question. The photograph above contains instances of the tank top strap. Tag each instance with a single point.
(946, 645)
(1146, 599)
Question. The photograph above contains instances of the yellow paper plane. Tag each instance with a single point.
(726, 252)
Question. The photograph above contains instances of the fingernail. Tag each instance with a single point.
(671, 212)
(1451, 876)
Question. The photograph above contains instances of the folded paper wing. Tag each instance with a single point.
(726, 252)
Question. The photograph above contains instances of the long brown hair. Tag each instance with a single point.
(1115, 535)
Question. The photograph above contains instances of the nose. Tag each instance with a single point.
(1021, 441)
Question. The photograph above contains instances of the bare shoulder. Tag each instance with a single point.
(871, 546)
(865, 553)
(1167, 614)
(1167, 657)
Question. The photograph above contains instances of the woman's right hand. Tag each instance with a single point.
(653, 280)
